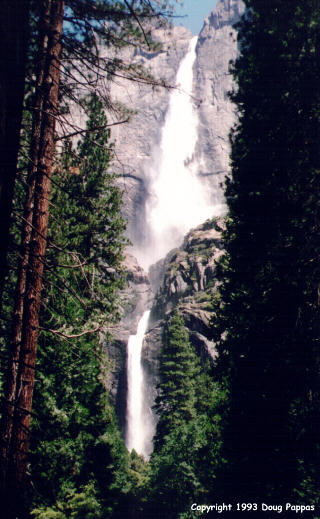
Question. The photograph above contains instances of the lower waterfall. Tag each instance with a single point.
(138, 434)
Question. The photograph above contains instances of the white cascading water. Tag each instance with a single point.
(178, 201)
(137, 436)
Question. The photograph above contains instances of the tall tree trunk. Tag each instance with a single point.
(14, 16)
(14, 350)
(22, 380)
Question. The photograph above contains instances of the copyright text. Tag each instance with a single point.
(248, 507)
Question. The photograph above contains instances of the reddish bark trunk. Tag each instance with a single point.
(27, 312)
(20, 435)
(14, 353)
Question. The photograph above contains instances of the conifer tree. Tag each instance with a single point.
(87, 251)
(178, 467)
(22, 353)
(179, 369)
(267, 323)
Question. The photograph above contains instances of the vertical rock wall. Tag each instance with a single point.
(216, 48)
(136, 141)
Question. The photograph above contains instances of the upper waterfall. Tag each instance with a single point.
(177, 198)
(139, 149)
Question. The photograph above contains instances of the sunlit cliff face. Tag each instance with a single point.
(178, 200)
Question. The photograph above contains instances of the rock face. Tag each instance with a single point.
(137, 141)
(188, 282)
(136, 297)
(216, 48)
(188, 285)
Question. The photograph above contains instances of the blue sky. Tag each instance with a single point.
(196, 11)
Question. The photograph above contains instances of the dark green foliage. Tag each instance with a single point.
(268, 314)
(76, 443)
(180, 465)
(74, 427)
(79, 462)
(86, 230)
(179, 369)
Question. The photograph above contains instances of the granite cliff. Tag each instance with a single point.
(136, 141)
(184, 280)
(216, 48)
(188, 285)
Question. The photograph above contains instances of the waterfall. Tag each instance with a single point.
(178, 201)
(139, 433)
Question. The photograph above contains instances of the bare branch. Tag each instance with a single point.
(75, 335)
(138, 21)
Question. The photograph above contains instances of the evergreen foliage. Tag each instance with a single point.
(179, 466)
(87, 250)
(252, 436)
(179, 368)
(79, 462)
(64, 60)
(267, 322)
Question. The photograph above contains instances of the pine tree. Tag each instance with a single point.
(88, 249)
(178, 467)
(20, 372)
(179, 368)
(267, 323)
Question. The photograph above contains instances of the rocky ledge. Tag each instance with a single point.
(188, 285)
